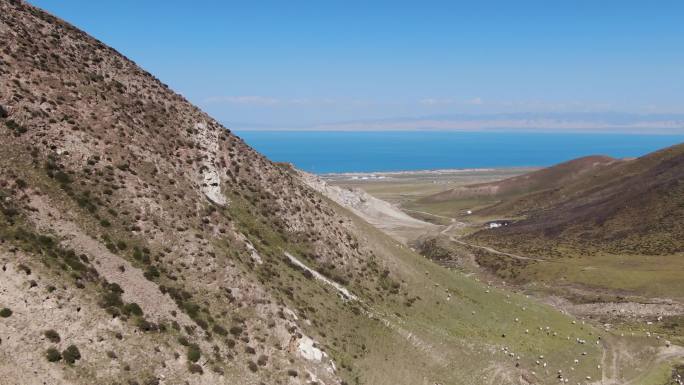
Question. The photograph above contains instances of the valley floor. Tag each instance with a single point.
(636, 300)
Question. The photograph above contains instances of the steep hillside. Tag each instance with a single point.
(143, 243)
(632, 207)
(133, 223)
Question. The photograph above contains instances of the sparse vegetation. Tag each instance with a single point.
(52, 336)
(194, 353)
(16, 128)
(195, 369)
(53, 355)
(105, 172)
(71, 354)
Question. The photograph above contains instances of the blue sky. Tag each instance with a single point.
(306, 63)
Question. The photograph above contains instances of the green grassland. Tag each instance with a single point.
(612, 277)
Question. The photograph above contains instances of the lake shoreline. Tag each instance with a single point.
(409, 174)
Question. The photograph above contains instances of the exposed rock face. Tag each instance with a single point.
(210, 178)
(381, 214)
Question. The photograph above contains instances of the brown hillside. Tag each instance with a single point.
(132, 220)
(547, 178)
(633, 206)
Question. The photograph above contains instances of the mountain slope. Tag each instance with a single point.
(632, 207)
(545, 179)
(142, 242)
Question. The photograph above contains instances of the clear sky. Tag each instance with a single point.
(299, 63)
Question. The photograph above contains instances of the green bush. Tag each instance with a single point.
(194, 353)
(111, 299)
(151, 273)
(53, 355)
(5, 312)
(52, 335)
(132, 309)
(71, 354)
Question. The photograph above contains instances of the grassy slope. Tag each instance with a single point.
(468, 346)
(448, 343)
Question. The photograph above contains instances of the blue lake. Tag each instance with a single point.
(335, 151)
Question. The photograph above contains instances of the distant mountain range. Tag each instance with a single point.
(590, 122)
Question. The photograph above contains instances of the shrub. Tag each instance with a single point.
(262, 360)
(16, 127)
(218, 329)
(115, 288)
(194, 368)
(71, 354)
(53, 355)
(5, 312)
(62, 177)
(132, 308)
(52, 335)
(194, 352)
(111, 299)
(292, 373)
(146, 325)
(252, 366)
(151, 273)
